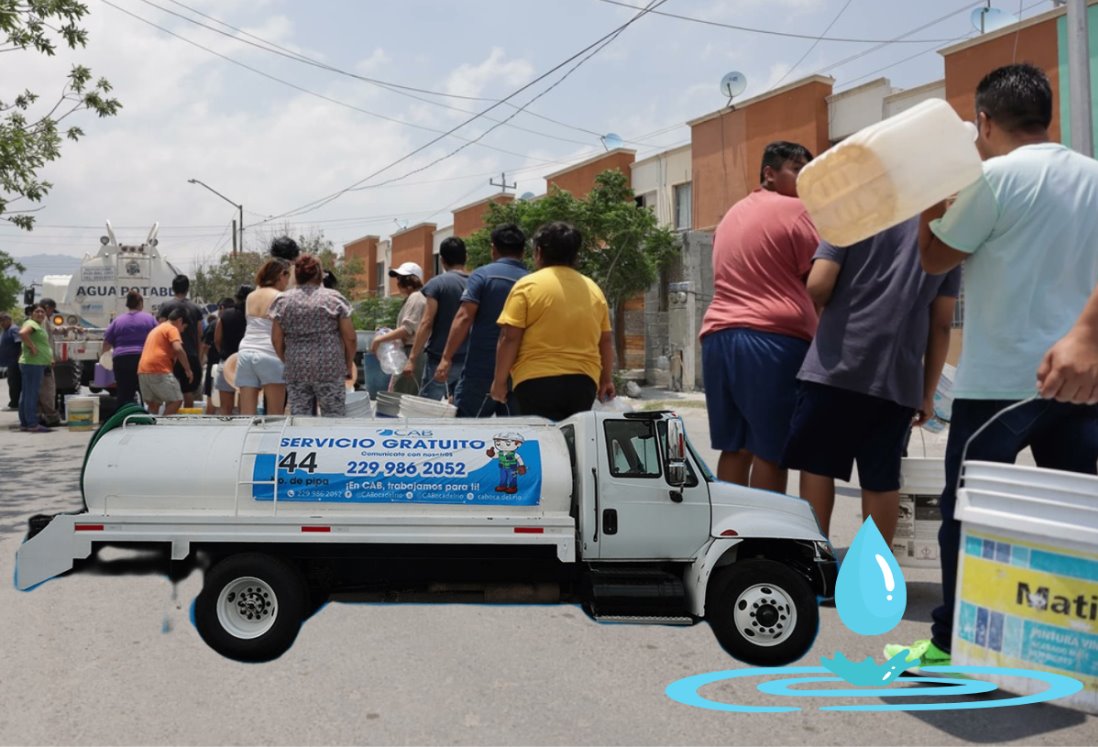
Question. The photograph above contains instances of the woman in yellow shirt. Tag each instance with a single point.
(555, 340)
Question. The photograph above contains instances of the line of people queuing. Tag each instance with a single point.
(292, 338)
(501, 340)
(817, 357)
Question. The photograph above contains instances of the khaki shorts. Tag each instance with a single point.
(160, 388)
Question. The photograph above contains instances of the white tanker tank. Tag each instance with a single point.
(611, 511)
(313, 466)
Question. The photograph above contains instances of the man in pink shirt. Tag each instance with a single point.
(758, 327)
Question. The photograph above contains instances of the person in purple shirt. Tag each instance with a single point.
(126, 337)
(871, 370)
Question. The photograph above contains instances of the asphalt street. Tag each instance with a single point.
(114, 659)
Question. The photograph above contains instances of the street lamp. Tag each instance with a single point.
(234, 204)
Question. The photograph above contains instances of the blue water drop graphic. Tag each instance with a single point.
(870, 595)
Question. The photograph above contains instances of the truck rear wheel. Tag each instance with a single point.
(251, 607)
(762, 612)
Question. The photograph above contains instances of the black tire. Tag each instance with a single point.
(265, 601)
(771, 597)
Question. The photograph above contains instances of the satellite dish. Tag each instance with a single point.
(526, 196)
(987, 19)
(733, 84)
(611, 141)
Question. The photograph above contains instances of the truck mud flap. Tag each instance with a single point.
(49, 550)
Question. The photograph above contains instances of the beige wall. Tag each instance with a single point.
(658, 175)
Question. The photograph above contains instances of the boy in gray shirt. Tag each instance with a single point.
(872, 369)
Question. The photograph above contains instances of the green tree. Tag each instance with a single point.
(220, 279)
(11, 289)
(375, 312)
(216, 280)
(624, 247)
(30, 132)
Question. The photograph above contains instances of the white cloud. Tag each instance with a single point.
(377, 60)
(472, 80)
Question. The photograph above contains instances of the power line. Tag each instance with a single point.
(595, 46)
(771, 32)
(812, 46)
(902, 38)
(928, 50)
(397, 88)
(309, 92)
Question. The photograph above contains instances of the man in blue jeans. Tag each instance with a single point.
(1027, 233)
(481, 305)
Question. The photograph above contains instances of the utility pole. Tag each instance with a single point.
(502, 183)
(1082, 132)
(238, 206)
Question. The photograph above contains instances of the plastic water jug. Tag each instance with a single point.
(391, 355)
(889, 172)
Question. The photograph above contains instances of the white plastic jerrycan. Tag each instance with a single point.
(889, 172)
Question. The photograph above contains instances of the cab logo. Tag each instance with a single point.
(401, 432)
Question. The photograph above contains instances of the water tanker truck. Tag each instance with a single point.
(88, 300)
(614, 512)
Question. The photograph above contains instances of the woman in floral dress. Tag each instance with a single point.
(313, 334)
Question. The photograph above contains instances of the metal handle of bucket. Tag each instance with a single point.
(985, 426)
(505, 403)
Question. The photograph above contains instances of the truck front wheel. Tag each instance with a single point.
(251, 607)
(762, 612)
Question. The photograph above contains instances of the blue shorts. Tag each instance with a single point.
(750, 385)
(256, 368)
(832, 428)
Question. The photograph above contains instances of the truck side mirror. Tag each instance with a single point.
(676, 452)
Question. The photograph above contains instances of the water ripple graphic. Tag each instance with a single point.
(780, 685)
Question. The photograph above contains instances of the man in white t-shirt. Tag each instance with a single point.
(1027, 233)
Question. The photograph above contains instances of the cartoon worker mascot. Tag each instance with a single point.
(505, 449)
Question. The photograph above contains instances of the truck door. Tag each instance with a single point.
(641, 516)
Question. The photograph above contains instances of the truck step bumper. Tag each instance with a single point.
(629, 594)
(51, 547)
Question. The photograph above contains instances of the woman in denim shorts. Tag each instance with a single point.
(257, 365)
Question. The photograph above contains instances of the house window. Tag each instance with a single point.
(683, 206)
(438, 266)
(646, 200)
(380, 270)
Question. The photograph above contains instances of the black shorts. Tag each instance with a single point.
(832, 428)
(556, 397)
(187, 385)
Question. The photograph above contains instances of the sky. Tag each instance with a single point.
(221, 92)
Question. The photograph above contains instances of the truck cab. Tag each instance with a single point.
(88, 300)
(613, 512)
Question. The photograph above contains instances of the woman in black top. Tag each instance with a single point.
(227, 336)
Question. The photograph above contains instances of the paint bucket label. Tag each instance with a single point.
(915, 543)
(1021, 603)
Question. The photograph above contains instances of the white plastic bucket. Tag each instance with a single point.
(915, 543)
(82, 413)
(889, 172)
(1027, 582)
